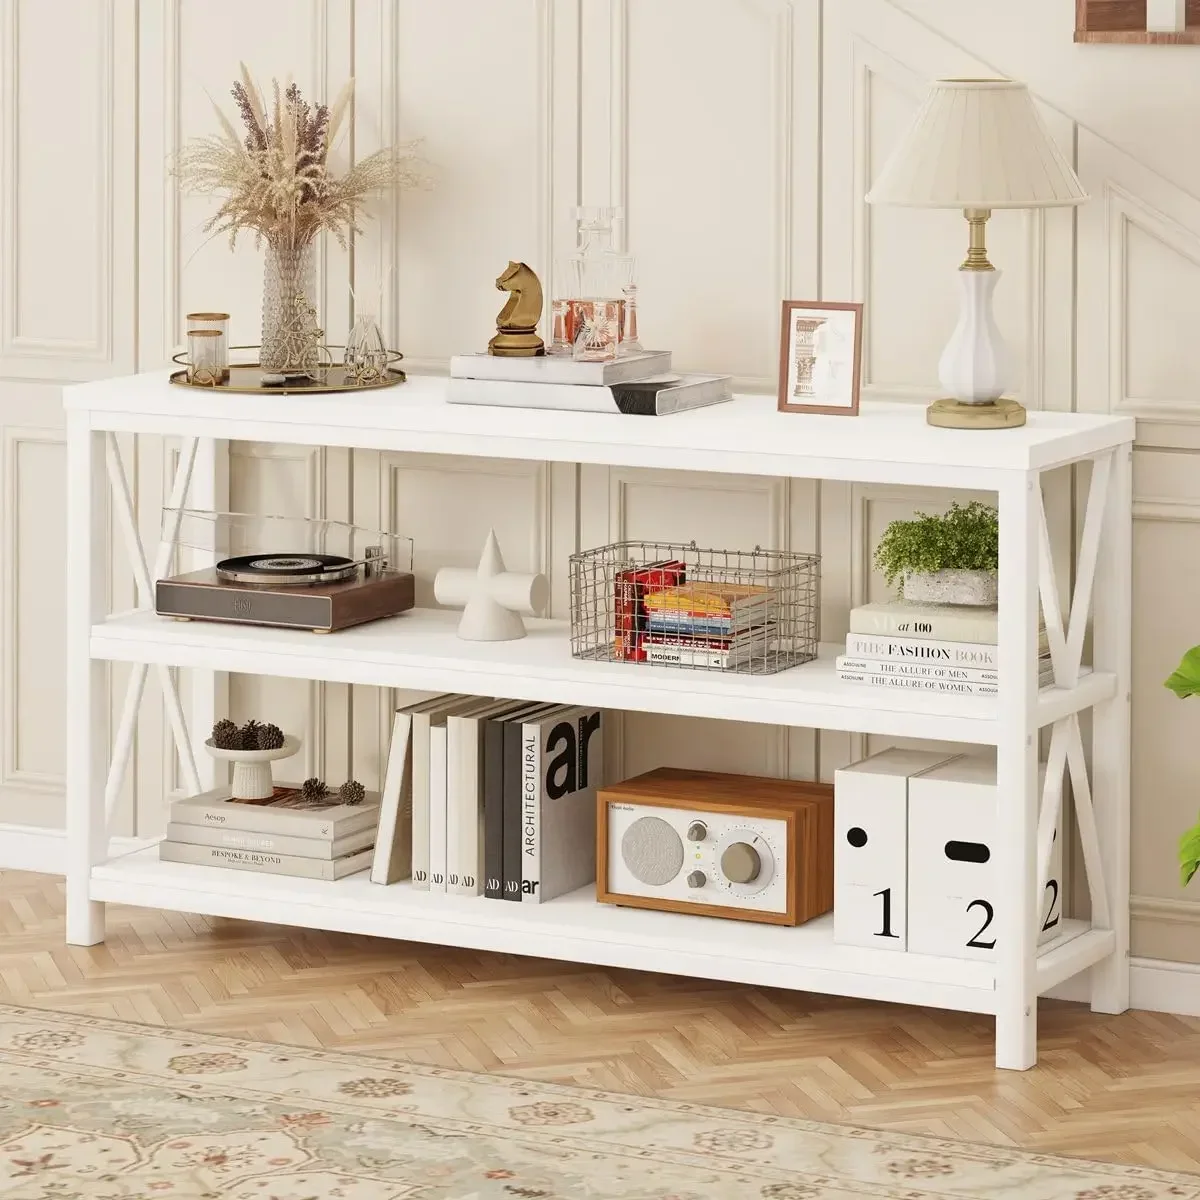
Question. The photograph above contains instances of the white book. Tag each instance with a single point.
(268, 864)
(437, 808)
(560, 368)
(657, 396)
(947, 622)
(394, 841)
(922, 670)
(956, 686)
(423, 721)
(926, 650)
(464, 795)
(216, 809)
(270, 843)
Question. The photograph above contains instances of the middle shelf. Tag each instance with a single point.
(420, 650)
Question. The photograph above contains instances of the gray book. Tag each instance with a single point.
(268, 864)
(270, 843)
(284, 816)
(559, 842)
(560, 368)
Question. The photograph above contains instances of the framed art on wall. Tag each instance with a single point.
(820, 357)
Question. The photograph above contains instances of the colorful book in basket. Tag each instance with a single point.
(710, 609)
(629, 607)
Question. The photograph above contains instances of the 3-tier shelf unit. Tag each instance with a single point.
(887, 444)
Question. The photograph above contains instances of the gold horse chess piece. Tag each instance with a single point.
(517, 322)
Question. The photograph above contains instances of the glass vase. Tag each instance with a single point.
(290, 336)
(365, 357)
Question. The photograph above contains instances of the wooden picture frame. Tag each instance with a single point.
(831, 378)
(1126, 21)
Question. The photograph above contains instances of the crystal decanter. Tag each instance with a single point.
(594, 283)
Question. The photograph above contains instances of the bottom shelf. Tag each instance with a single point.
(576, 928)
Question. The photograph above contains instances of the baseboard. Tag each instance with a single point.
(34, 848)
(1154, 984)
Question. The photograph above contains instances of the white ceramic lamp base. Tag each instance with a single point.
(494, 597)
(976, 365)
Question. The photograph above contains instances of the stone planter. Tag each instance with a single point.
(976, 588)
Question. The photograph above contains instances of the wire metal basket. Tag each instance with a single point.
(754, 612)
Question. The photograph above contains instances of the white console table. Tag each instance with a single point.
(887, 443)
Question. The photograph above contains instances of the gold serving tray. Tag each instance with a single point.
(246, 378)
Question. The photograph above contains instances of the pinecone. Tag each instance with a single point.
(270, 737)
(250, 735)
(314, 790)
(352, 792)
(226, 735)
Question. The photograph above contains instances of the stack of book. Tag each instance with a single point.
(283, 835)
(928, 647)
(707, 624)
(491, 797)
(639, 384)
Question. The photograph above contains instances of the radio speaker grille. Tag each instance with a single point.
(652, 851)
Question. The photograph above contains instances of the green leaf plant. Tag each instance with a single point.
(964, 539)
(1184, 681)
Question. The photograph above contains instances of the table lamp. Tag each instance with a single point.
(978, 145)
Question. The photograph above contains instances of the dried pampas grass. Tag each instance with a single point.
(276, 181)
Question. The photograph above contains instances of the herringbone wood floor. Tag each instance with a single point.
(1125, 1088)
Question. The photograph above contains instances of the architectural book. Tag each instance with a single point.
(656, 396)
(284, 815)
(562, 763)
(270, 864)
(561, 368)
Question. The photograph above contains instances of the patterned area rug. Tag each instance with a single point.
(101, 1110)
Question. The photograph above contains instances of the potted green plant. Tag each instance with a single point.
(1184, 681)
(948, 559)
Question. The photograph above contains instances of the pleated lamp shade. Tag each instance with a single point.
(977, 143)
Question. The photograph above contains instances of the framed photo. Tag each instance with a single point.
(820, 357)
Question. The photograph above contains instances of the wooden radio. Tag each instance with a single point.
(718, 845)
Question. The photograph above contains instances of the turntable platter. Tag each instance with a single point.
(287, 570)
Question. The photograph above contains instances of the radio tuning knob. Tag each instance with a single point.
(697, 831)
(741, 863)
(696, 879)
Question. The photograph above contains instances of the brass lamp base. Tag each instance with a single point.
(955, 414)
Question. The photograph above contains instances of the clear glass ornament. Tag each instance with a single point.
(599, 331)
(290, 336)
(365, 357)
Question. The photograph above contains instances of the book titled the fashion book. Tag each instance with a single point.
(657, 396)
(927, 650)
(286, 813)
(268, 864)
(561, 368)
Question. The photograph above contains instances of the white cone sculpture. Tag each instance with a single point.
(494, 597)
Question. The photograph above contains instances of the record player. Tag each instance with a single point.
(301, 588)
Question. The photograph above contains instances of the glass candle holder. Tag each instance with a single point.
(204, 357)
(560, 343)
(599, 331)
(220, 322)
